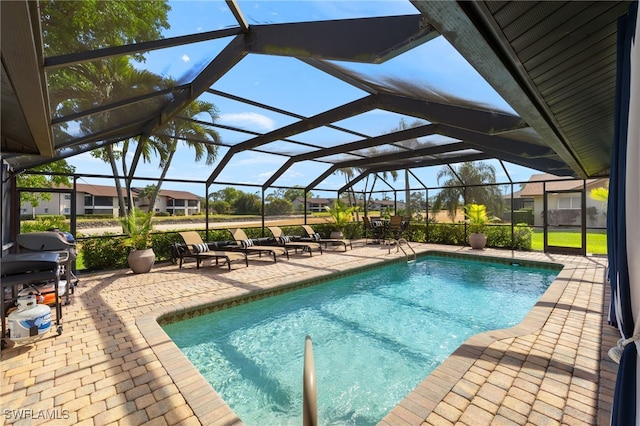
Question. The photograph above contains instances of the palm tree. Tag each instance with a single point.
(470, 183)
(146, 194)
(93, 84)
(204, 140)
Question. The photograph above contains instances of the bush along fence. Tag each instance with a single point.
(105, 252)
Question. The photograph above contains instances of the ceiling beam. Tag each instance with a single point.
(387, 138)
(485, 121)
(344, 111)
(390, 158)
(60, 61)
(354, 40)
(22, 63)
(237, 13)
(425, 163)
(469, 31)
(525, 154)
(219, 66)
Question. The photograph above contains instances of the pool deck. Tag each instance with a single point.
(113, 364)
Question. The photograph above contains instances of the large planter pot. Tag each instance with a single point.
(141, 261)
(336, 235)
(477, 241)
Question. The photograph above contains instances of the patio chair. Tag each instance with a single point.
(313, 236)
(397, 226)
(194, 247)
(376, 228)
(247, 245)
(285, 241)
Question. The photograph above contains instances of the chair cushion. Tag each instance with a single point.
(200, 248)
(316, 237)
(247, 243)
(376, 222)
(285, 239)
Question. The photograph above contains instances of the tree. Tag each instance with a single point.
(44, 181)
(146, 194)
(297, 191)
(409, 143)
(203, 139)
(76, 26)
(228, 194)
(278, 206)
(70, 27)
(220, 207)
(101, 83)
(469, 183)
(247, 204)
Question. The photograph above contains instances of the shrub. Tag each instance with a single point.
(446, 233)
(44, 223)
(500, 237)
(104, 252)
(522, 216)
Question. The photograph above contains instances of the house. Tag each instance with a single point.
(313, 204)
(178, 203)
(103, 200)
(380, 205)
(564, 200)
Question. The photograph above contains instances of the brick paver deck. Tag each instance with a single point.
(113, 364)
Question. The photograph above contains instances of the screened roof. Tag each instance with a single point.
(345, 67)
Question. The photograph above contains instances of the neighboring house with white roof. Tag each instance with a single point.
(564, 201)
(103, 200)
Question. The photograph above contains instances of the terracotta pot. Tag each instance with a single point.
(141, 261)
(336, 235)
(477, 241)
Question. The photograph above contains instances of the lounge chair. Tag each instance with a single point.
(313, 236)
(285, 241)
(198, 249)
(247, 245)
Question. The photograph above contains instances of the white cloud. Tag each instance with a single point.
(265, 175)
(185, 58)
(247, 120)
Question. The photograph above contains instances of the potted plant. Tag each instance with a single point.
(342, 215)
(477, 219)
(138, 225)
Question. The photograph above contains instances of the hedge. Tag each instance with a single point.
(105, 252)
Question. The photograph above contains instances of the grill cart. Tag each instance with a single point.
(55, 242)
(19, 270)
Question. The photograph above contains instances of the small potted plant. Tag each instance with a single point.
(138, 225)
(477, 219)
(342, 215)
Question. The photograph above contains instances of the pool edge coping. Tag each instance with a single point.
(209, 407)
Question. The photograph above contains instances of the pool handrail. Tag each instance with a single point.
(309, 389)
(398, 244)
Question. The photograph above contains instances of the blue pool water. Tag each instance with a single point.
(376, 335)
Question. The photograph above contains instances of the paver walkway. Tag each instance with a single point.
(114, 365)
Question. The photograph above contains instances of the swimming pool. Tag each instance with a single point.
(376, 335)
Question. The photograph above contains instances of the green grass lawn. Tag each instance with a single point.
(596, 241)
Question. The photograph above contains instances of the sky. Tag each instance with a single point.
(293, 86)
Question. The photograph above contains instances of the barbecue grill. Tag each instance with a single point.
(54, 242)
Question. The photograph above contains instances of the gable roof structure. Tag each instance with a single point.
(535, 187)
(553, 62)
